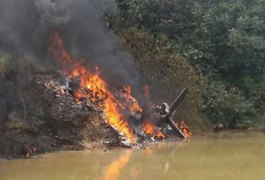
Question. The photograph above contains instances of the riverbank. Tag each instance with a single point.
(44, 147)
(41, 120)
(235, 156)
(47, 114)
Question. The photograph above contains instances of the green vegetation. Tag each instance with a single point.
(7, 66)
(216, 48)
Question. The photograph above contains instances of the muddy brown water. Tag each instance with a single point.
(224, 156)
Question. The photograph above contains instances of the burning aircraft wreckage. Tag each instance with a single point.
(76, 108)
(119, 110)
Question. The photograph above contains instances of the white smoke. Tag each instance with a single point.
(54, 11)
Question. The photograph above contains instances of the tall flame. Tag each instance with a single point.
(132, 103)
(92, 87)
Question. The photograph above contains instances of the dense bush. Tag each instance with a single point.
(165, 70)
(227, 108)
(224, 40)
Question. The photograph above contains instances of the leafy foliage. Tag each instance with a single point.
(177, 40)
(227, 107)
(161, 67)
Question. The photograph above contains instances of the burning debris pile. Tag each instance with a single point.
(75, 108)
(118, 109)
(76, 102)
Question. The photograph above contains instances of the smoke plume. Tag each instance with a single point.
(26, 27)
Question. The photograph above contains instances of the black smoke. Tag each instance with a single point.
(26, 27)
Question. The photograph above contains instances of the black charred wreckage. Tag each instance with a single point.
(163, 115)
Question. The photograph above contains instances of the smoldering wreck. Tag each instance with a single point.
(86, 94)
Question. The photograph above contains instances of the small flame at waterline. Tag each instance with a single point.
(149, 129)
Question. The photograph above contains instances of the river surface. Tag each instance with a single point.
(225, 156)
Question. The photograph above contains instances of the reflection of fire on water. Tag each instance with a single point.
(148, 151)
(114, 169)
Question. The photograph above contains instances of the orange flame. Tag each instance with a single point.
(92, 87)
(114, 169)
(160, 135)
(131, 101)
(184, 128)
(150, 130)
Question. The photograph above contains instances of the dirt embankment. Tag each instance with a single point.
(51, 121)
